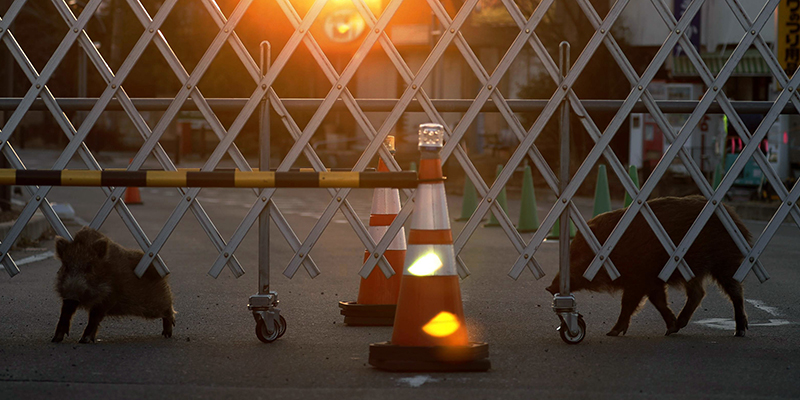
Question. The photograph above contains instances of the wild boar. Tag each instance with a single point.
(96, 274)
(639, 257)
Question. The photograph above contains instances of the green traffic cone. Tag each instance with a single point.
(412, 166)
(556, 232)
(501, 199)
(635, 177)
(717, 176)
(469, 201)
(602, 197)
(528, 213)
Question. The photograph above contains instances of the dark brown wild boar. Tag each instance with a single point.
(96, 274)
(639, 257)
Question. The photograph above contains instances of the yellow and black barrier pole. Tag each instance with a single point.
(240, 179)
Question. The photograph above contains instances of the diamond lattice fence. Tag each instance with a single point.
(228, 30)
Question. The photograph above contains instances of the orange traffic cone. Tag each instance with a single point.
(430, 332)
(377, 295)
(132, 195)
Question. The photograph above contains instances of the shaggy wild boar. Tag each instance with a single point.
(639, 257)
(96, 274)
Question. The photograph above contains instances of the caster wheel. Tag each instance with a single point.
(270, 334)
(567, 337)
(282, 326)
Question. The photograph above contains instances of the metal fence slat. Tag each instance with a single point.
(413, 98)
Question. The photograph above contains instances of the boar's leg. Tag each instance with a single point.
(68, 308)
(658, 297)
(631, 299)
(96, 315)
(734, 291)
(168, 323)
(694, 295)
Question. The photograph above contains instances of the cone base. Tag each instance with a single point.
(367, 314)
(470, 358)
(527, 230)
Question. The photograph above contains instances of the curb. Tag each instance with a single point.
(32, 231)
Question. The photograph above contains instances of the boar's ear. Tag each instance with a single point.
(61, 246)
(100, 248)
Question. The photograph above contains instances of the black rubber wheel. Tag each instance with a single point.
(265, 334)
(282, 326)
(567, 337)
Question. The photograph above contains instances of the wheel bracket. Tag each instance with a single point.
(565, 308)
(265, 308)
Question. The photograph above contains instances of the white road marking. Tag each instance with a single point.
(729, 324)
(235, 204)
(417, 381)
(34, 258)
(763, 307)
(80, 221)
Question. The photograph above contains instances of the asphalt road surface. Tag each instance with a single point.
(214, 352)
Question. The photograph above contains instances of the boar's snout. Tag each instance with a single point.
(553, 288)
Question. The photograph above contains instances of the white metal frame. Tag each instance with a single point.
(451, 36)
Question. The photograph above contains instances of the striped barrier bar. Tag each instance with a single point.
(303, 169)
(289, 179)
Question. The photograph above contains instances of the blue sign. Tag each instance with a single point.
(693, 31)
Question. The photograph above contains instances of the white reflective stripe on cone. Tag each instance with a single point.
(386, 201)
(399, 242)
(430, 208)
(420, 262)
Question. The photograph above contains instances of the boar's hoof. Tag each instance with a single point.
(616, 332)
(167, 323)
(58, 338)
(86, 339)
(672, 330)
(739, 333)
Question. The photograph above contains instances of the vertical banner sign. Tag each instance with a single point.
(789, 35)
(693, 31)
